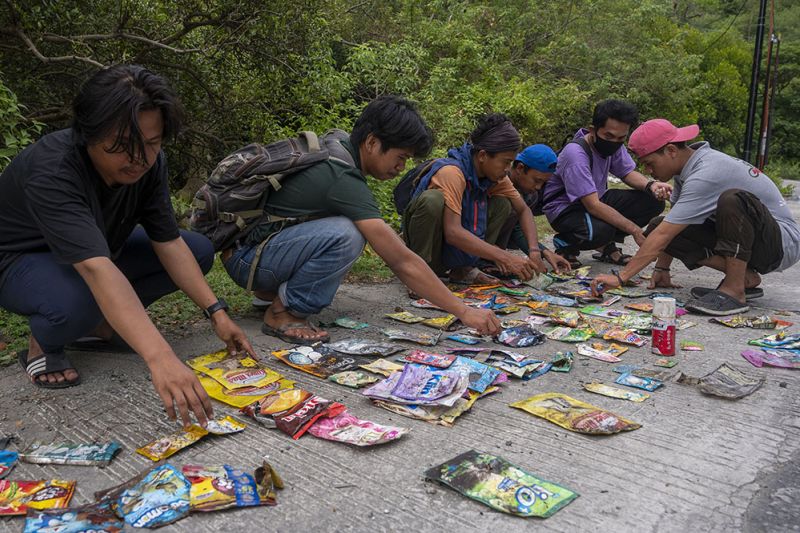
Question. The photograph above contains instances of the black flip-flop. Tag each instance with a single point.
(46, 364)
(608, 251)
(749, 294)
(280, 333)
(717, 303)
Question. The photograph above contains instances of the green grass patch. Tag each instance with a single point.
(369, 268)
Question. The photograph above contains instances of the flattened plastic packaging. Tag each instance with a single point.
(666, 363)
(425, 339)
(318, 360)
(383, 367)
(442, 322)
(406, 317)
(8, 460)
(616, 392)
(481, 376)
(691, 346)
(220, 487)
(349, 323)
(501, 485)
(352, 430)
(566, 334)
(726, 382)
(233, 372)
(624, 336)
(465, 339)
(16, 497)
(354, 379)
(364, 347)
(244, 396)
(154, 499)
(520, 337)
(759, 358)
(225, 426)
(431, 359)
(632, 380)
(575, 415)
(562, 362)
(173, 443)
(66, 453)
(98, 517)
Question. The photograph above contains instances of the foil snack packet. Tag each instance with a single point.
(354, 379)
(242, 396)
(214, 488)
(171, 444)
(405, 317)
(66, 453)
(632, 380)
(233, 372)
(318, 360)
(159, 497)
(431, 359)
(520, 337)
(384, 367)
(352, 430)
(425, 339)
(16, 497)
(364, 347)
(96, 517)
(616, 392)
(575, 415)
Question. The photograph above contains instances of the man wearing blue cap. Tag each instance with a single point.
(529, 172)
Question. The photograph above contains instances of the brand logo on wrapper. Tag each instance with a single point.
(526, 496)
(245, 376)
(152, 514)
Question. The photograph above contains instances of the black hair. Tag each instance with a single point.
(620, 110)
(516, 163)
(396, 122)
(494, 133)
(110, 101)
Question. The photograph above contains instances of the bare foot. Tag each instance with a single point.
(34, 351)
(278, 317)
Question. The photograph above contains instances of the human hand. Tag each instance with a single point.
(538, 264)
(662, 279)
(661, 190)
(603, 282)
(177, 385)
(231, 334)
(483, 320)
(558, 263)
(520, 266)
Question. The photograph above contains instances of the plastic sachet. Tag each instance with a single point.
(445, 323)
(562, 362)
(352, 430)
(632, 380)
(481, 376)
(520, 337)
(221, 487)
(173, 443)
(292, 411)
(346, 323)
(465, 339)
(575, 415)
(665, 363)
(422, 303)
(420, 386)
(631, 292)
(243, 396)
(8, 461)
(565, 334)
(601, 312)
(501, 485)
(658, 375)
(603, 352)
(624, 336)
(616, 392)
(318, 360)
(431, 359)
(520, 293)
(159, 497)
(225, 426)
(759, 358)
(725, 382)
(565, 317)
(233, 372)
(354, 379)
(67, 453)
(536, 371)
(383, 367)
(96, 517)
(539, 282)
(425, 339)
(691, 346)
(552, 300)
(16, 497)
(610, 300)
(778, 341)
(644, 307)
(405, 317)
(364, 347)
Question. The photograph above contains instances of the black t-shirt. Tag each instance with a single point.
(52, 199)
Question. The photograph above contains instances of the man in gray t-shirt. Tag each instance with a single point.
(726, 214)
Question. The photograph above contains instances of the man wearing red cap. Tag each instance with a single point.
(726, 214)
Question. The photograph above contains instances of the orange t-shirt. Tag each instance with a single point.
(450, 180)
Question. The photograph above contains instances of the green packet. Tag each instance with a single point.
(501, 485)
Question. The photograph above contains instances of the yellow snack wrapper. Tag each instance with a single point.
(442, 322)
(383, 367)
(173, 443)
(575, 415)
(233, 372)
(242, 396)
(16, 497)
(225, 426)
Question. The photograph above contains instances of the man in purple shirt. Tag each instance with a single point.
(577, 201)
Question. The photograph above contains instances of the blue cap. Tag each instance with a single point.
(538, 157)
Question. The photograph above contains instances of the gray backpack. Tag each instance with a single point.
(231, 203)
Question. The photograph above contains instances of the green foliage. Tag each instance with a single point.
(16, 132)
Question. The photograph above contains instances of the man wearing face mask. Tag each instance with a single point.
(581, 208)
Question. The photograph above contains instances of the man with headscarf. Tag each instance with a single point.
(460, 205)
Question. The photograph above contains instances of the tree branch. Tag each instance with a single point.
(57, 59)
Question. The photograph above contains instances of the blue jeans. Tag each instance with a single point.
(304, 264)
(58, 303)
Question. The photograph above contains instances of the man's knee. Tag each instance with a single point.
(430, 201)
(500, 208)
(201, 248)
(729, 202)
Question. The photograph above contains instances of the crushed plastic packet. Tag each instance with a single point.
(66, 453)
(633, 380)
(16, 497)
(513, 323)
(443, 322)
(354, 379)
(292, 411)
(364, 347)
(465, 339)
(658, 375)
(243, 396)
(565, 317)
(778, 341)
(665, 363)
(156, 498)
(565, 334)
(726, 382)
(481, 376)
(431, 359)
(539, 282)
(8, 461)
(575, 415)
(759, 358)
(221, 487)
(425, 339)
(233, 372)
(616, 392)
(631, 292)
(173, 443)
(644, 307)
(513, 292)
(346, 323)
(422, 303)
(611, 300)
(98, 517)
(420, 385)
(318, 360)
(352, 430)
(383, 367)
(405, 317)
(520, 337)
(507, 310)
(641, 324)
(755, 322)
(691, 346)
(601, 312)
(562, 362)
(225, 426)
(624, 336)
(501, 485)
(552, 300)
(536, 371)
(603, 352)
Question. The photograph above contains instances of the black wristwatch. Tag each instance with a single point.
(213, 308)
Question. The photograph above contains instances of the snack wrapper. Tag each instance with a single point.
(565, 334)
(501, 485)
(536, 371)
(243, 396)
(665, 363)
(425, 339)
(383, 367)
(16, 497)
(691, 346)
(633, 380)
(521, 293)
(507, 309)
(575, 415)
(97, 517)
(658, 375)
(760, 358)
(481, 376)
(420, 386)
(778, 341)
(552, 300)
(442, 322)
(624, 336)
(465, 339)
(422, 303)
(603, 352)
(173, 443)
(562, 362)
(220, 487)
(431, 359)
(520, 337)
(565, 317)
(233, 372)
(364, 347)
(611, 300)
(644, 307)
(405, 317)
(726, 382)
(65, 453)
(348, 323)
(351, 430)
(8, 460)
(292, 411)
(631, 292)
(159, 498)
(225, 426)
(601, 312)
(353, 378)
(616, 392)
(318, 360)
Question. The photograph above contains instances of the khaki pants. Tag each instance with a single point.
(423, 226)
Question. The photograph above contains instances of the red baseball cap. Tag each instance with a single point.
(653, 134)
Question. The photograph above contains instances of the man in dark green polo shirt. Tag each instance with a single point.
(301, 266)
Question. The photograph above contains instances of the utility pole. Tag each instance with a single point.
(751, 107)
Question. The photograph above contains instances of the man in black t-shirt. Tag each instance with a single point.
(89, 238)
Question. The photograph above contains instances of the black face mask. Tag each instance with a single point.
(606, 148)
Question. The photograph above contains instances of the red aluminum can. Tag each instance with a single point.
(663, 341)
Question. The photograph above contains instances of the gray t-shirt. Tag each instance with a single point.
(708, 173)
